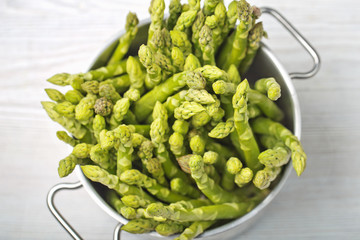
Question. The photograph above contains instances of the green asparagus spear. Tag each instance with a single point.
(239, 40)
(233, 166)
(169, 228)
(125, 40)
(207, 46)
(269, 127)
(143, 107)
(224, 88)
(211, 157)
(156, 11)
(91, 87)
(73, 96)
(185, 20)
(197, 144)
(141, 225)
(97, 174)
(103, 106)
(134, 201)
(65, 109)
(102, 158)
(255, 35)
(106, 72)
(134, 177)
(71, 125)
(222, 129)
(200, 96)
(276, 156)
(175, 11)
(262, 179)
(63, 136)
(188, 109)
(205, 213)
(200, 119)
(209, 6)
(55, 95)
(67, 165)
(196, 27)
(206, 185)
(178, 59)
(247, 141)
(254, 111)
(179, 186)
(194, 230)
(268, 107)
(244, 176)
(180, 39)
(176, 142)
(269, 86)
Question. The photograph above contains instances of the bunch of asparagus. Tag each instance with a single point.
(177, 136)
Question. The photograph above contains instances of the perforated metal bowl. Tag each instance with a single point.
(265, 65)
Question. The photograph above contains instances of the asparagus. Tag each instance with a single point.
(206, 185)
(262, 179)
(121, 83)
(143, 107)
(209, 6)
(176, 142)
(63, 136)
(205, 213)
(134, 177)
(134, 201)
(125, 40)
(200, 119)
(277, 155)
(136, 75)
(196, 27)
(222, 129)
(211, 157)
(185, 20)
(178, 59)
(233, 166)
(180, 126)
(269, 127)
(97, 174)
(113, 199)
(268, 107)
(65, 109)
(200, 96)
(67, 165)
(103, 106)
(244, 176)
(71, 125)
(55, 95)
(179, 186)
(194, 230)
(207, 45)
(140, 226)
(175, 11)
(91, 87)
(253, 111)
(169, 228)
(156, 11)
(224, 88)
(255, 35)
(197, 144)
(132, 94)
(238, 41)
(269, 86)
(98, 125)
(191, 63)
(102, 158)
(73, 96)
(154, 76)
(180, 39)
(188, 109)
(195, 80)
(247, 141)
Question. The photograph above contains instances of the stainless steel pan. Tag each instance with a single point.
(265, 65)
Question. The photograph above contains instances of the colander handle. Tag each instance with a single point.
(300, 38)
(55, 212)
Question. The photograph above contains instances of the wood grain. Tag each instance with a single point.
(40, 38)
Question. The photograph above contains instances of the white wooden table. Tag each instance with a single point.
(43, 37)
